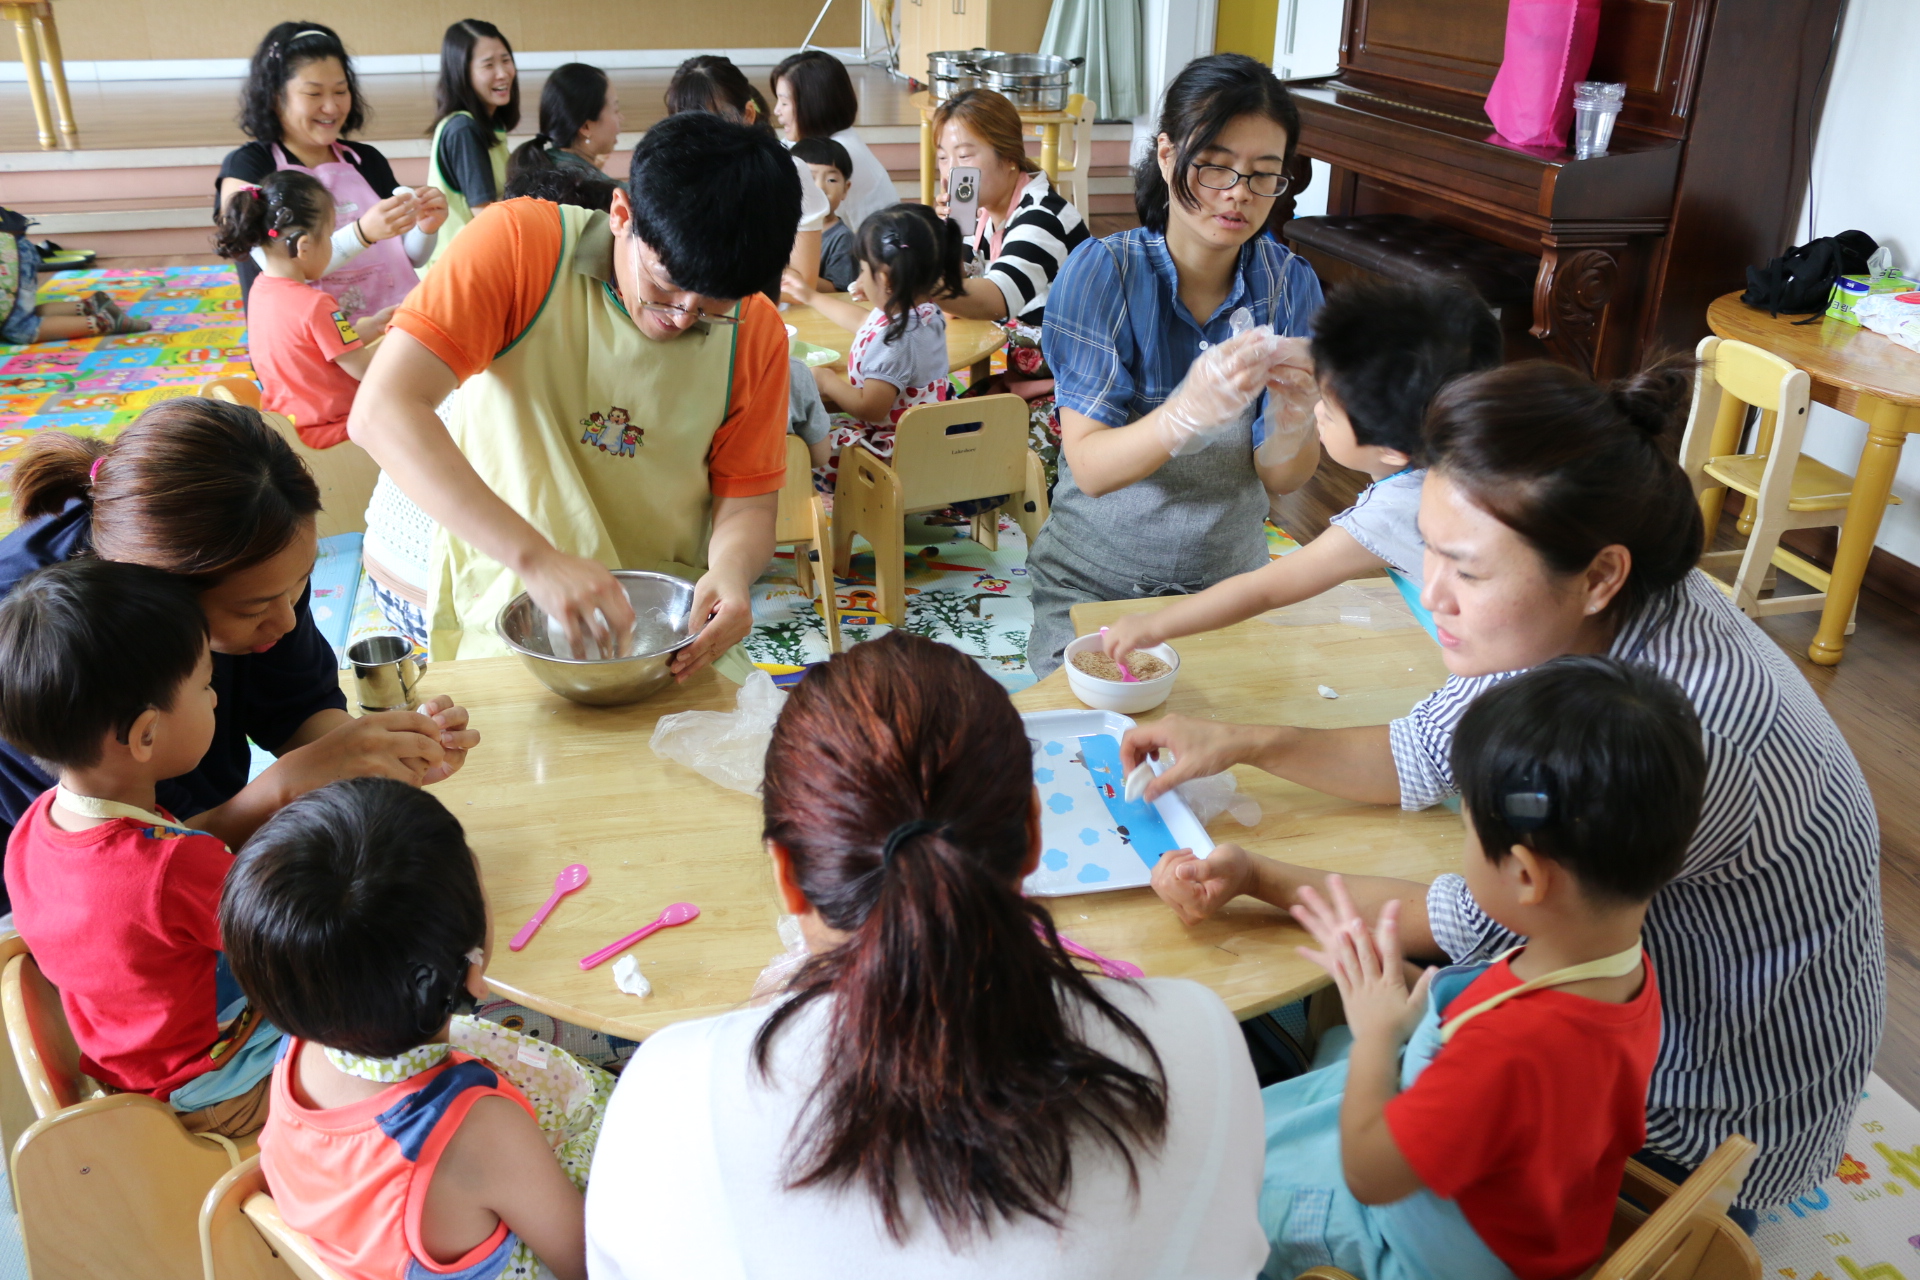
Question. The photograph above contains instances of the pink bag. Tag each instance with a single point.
(1549, 49)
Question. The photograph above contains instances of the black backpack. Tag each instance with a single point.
(1800, 280)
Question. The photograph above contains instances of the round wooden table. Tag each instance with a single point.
(1859, 372)
(553, 783)
(970, 343)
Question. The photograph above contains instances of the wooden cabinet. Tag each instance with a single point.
(928, 26)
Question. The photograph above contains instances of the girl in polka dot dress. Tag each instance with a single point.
(909, 256)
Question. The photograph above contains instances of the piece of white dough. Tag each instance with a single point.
(627, 977)
(1327, 692)
(1137, 781)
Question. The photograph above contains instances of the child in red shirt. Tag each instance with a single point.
(1479, 1125)
(309, 357)
(108, 678)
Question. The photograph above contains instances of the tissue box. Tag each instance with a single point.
(1897, 315)
(1848, 291)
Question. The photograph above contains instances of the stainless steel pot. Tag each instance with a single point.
(1030, 81)
(954, 71)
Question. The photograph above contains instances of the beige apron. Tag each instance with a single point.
(596, 434)
(1618, 965)
(459, 212)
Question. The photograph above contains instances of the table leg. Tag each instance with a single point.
(927, 170)
(22, 15)
(980, 372)
(1887, 426)
(1050, 151)
(50, 44)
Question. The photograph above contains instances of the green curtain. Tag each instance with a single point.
(1108, 34)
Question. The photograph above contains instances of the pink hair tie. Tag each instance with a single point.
(93, 472)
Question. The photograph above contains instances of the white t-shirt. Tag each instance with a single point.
(814, 205)
(689, 1176)
(871, 188)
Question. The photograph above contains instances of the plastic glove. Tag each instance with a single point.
(1219, 386)
(1291, 394)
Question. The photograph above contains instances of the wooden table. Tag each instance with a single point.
(1047, 122)
(27, 17)
(554, 783)
(970, 343)
(1856, 371)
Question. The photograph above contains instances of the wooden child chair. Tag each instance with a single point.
(1664, 1232)
(1074, 176)
(108, 1184)
(242, 1236)
(802, 524)
(346, 473)
(1783, 489)
(954, 451)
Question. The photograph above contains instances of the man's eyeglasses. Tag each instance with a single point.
(677, 312)
(1217, 177)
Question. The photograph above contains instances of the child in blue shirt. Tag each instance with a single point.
(1380, 353)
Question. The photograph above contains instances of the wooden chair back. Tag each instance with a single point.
(1075, 165)
(243, 1237)
(959, 450)
(1688, 1236)
(1734, 377)
(801, 522)
(346, 473)
(43, 1045)
(794, 523)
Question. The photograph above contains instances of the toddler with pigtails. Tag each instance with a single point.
(309, 357)
(909, 257)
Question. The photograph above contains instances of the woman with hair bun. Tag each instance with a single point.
(210, 492)
(300, 102)
(579, 124)
(1556, 522)
(941, 1091)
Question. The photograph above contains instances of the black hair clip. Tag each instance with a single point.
(1527, 810)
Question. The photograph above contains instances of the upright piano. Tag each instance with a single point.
(1706, 173)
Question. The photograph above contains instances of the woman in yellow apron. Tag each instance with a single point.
(478, 102)
(624, 400)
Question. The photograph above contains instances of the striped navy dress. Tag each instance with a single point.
(1769, 944)
(1042, 230)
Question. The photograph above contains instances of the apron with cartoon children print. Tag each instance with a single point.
(379, 276)
(594, 432)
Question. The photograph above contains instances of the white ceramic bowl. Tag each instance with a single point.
(1118, 695)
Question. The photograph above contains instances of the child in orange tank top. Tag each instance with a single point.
(405, 1139)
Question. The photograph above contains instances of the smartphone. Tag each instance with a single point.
(963, 200)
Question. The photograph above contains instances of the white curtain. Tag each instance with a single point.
(1108, 34)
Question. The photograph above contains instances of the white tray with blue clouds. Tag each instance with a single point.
(1091, 838)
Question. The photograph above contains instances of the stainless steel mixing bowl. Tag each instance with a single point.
(604, 682)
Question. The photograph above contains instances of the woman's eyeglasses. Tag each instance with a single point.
(1217, 177)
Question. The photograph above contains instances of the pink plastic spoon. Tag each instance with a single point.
(1112, 968)
(678, 913)
(569, 879)
(1126, 676)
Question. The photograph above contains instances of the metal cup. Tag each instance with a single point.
(386, 675)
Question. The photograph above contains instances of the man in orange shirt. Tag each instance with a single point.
(623, 396)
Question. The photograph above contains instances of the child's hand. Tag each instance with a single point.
(372, 326)
(794, 287)
(1365, 965)
(430, 203)
(1134, 631)
(1198, 887)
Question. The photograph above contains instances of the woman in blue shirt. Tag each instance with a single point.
(209, 491)
(1160, 491)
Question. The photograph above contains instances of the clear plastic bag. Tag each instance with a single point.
(1373, 603)
(727, 747)
(773, 979)
(1219, 793)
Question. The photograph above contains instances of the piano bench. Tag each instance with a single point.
(1399, 246)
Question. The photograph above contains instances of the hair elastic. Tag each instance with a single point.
(93, 472)
(904, 832)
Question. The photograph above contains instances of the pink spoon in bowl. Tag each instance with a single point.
(1126, 676)
(678, 913)
(569, 879)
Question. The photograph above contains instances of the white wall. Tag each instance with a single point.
(1866, 174)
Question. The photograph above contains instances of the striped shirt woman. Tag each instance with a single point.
(1026, 252)
(1769, 943)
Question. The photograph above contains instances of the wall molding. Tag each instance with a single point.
(406, 64)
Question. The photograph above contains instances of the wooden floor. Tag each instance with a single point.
(132, 114)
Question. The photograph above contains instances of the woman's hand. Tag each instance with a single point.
(455, 738)
(1134, 631)
(1200, 749)
(585, 598)
(430, 203)
(1219, 386)
(1196, 888)
(1292, 391)
(1366, 965)
(403, 745)
(728, 611)
(393, 216)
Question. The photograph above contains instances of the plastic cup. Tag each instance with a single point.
(1596, 105)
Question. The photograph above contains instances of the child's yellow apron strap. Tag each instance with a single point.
(1613, 966)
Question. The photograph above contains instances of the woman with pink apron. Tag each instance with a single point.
(379, 275)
